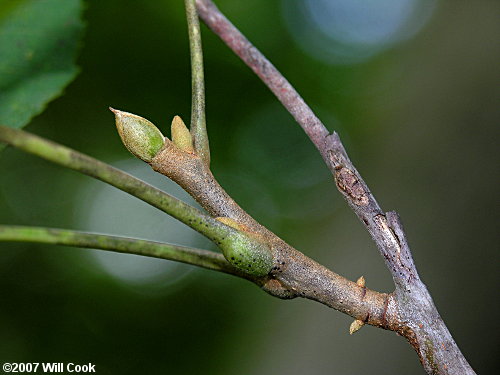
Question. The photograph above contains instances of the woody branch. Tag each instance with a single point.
(415, 315)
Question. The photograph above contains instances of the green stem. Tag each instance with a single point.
(198, 122)
(197, 257)
(82, 163)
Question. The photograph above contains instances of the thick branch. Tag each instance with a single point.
(348, 179)
(198, 122)
(411, 306)
(196, 257)
(293, 274)
(408, 311)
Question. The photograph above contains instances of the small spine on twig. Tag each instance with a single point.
(358, 324)
(361, 282)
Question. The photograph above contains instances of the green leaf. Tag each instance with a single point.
(39, 40)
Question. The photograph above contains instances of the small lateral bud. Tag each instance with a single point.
(244, 250)
(181, 135)
(248, 253)
(139, 135)
(230, 222)
(361, 282)
(356, 326)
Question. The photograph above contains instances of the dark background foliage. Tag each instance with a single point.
(419, 121)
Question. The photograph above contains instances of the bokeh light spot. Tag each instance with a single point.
(105, 209)
(352, 31)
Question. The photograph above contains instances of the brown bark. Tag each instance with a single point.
(409, 310)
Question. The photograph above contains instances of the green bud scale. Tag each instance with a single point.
(139, 135)
(247, 253)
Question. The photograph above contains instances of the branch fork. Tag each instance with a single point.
(252, 251)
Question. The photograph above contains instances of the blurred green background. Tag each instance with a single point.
(417, 109)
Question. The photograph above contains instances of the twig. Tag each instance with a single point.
(266, 71)
(198, 122)
(201, 258)
(82, 163)
(408, 311)
(348, 180)
(416, 316)
(294, 274)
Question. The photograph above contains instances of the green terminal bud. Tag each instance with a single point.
(248, 253)
(139, 135)
(181, 135)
